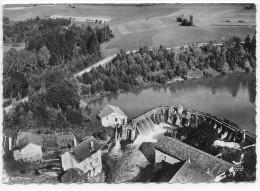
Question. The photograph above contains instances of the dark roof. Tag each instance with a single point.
(190, 173)
(83, 150)
(185, 152)
(171, 170)
(109, 109)
(29, 138)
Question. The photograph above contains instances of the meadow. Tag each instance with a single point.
(153, 25)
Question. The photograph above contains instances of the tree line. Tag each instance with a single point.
(158, 66)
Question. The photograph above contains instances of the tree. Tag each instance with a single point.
(72, 175)
(181, 69)
(19, 84)
(191, 20)
(62, 95)
(53, 76)
(86, 89)
(93, 45)
(185, 22)
(44, 56)
(31, 123)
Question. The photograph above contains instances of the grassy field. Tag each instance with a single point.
(155, 24)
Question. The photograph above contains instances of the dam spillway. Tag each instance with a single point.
(176, 116)
(145, 126)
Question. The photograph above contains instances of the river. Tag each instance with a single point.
(229, 96)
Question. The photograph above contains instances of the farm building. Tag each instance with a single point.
(187, 164)
(86, 156)
(29, 148)
(112, 115)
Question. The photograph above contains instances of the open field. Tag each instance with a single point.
(154, 25)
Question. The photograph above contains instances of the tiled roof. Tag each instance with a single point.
(190, 173)
(185, 152)
(83, 150)
(29, 138)
(109, 109)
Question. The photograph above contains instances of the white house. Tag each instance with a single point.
(112, 115)
(86, 156)
(29, 148)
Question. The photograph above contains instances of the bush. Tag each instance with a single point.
(72, 175)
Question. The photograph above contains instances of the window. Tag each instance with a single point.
(115, 119)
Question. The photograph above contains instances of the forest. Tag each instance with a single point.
(158, 66)
(55, 49)
(49, 43)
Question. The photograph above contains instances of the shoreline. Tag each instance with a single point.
(177, 79)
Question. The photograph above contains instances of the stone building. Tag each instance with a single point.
(86, 156)
(187, 164)
(112, 116)
(28, 148)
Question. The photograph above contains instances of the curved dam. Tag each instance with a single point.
(177, 117)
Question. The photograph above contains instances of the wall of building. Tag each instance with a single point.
(113, 119)
(31, 153)
(160, 156)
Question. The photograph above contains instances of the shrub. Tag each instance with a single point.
(72, 175)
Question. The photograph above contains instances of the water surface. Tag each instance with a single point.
(230, 96)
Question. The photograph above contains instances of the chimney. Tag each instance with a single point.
(244, 135)
(91, 146)
(75, 142)
(10, 143)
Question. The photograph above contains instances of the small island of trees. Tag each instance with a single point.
(185, 21)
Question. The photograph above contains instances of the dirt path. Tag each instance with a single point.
(100, 63)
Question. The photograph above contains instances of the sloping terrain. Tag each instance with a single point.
(153, 25)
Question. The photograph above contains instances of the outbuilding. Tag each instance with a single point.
(29, 148)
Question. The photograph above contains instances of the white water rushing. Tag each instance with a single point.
(151, 137)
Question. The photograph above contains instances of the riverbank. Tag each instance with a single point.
(191, 75)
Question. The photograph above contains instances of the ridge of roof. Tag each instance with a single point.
(30, 138)
(109, 109)
(190, 147)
